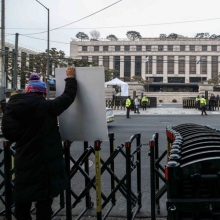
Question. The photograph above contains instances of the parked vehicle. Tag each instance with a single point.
(109, 115)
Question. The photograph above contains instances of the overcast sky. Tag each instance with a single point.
(28, 17)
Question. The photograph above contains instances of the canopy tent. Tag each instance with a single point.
(116, 81)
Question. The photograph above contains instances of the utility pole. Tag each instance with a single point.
(15, 75)
(2, 73)
(48, 48)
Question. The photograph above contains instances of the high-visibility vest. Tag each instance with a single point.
(144, 99)
(202, 101)
(197, 99)
(128, 102)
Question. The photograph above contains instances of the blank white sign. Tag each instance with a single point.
(85, 119)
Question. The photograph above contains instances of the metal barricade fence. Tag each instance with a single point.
(71, 199)
(192, 172)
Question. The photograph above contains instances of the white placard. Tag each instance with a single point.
(85, 119)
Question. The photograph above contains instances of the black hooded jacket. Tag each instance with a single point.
(31, 121)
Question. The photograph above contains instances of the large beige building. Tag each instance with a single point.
(173, 63)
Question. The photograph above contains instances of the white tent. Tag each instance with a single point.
(116, 81)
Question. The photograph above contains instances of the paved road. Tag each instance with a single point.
(146, 123)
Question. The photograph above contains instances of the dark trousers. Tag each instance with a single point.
(204, 109)
(43, 210)
(136, 109)
(128, 112)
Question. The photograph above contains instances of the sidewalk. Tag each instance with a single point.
(166, 111)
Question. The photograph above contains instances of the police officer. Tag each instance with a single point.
(144, 102)
(203, 105)
(128, 105)
(197, 102)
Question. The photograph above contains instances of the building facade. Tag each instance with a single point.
(173, 64)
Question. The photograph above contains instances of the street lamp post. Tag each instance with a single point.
(48, 47)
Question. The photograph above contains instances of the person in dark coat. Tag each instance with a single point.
(31, 122)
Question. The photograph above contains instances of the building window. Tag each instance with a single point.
(95, 59)
(138, 48)
(170, 66)
(182, 47)
(117, 48)
(192, 47)
(137, 65)
(203, 65)
(192, 65)
(105, 48)
(86, 58)
(84, 48)
(196, 79)
(117, 65)
(159, 64)
(170, 47)
(214, 66)
(176, 79)
(96, 48)
(127, 48)
(149, 65)
(214, 47)
(106, 62)
(181, 65)
(160, 47)
(148, 48)
(156, 79)
(204, 48)
(127, 66)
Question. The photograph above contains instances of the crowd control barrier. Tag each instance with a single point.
(69, 199)
(193, 172)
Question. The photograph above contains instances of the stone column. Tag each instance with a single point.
(132, 66)
(198, 66)
(176, 64)
(89, 58)
(100, 60)
(186, 69)
(154, 65)
(209, 67)
(111, 62)
(143, 67)
(165, 80)
(121, 66)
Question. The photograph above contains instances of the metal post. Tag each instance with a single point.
(48, 48)
(128, 179)
(97, 145)
(148, 86)
(152, 178)
(88, 198)
(68, 190)
(111, 140)
(15, 63)
(2, 75)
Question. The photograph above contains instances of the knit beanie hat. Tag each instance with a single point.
(35, 84)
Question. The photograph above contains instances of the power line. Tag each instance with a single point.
(77, 20)
(138, 25)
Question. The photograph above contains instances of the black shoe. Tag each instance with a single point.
(138, 112)
(206, 114)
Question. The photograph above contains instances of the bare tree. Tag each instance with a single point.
(95, 34)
